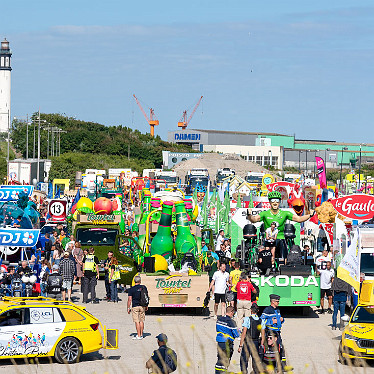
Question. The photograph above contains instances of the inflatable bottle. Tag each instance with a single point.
(145, 213)
(162, 243)
(185, 241)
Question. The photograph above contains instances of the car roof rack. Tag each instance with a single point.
(31, 300)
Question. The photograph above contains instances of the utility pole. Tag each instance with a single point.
(128, 152)
(38, 163)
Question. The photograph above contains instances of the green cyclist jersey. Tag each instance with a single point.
(267, 217)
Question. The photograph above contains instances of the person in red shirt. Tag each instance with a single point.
(244, 289)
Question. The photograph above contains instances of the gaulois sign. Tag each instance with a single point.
(274, 186)
(355, 206)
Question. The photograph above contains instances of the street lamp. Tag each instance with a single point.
(327, 149)
(359, 167)
(7, 158)
(299, 162)
(271, 157)
(341, 167)
(306, 163)
(314, 167)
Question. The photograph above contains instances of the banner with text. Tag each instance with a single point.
(321, 171)
(10, 193)
(19, 237)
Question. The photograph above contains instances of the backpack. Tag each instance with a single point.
(170, 360)
(144, 297)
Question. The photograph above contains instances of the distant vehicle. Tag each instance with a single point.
(223, 174)
(166, 178)
(254, 179)
(291, 178)
(196, 177)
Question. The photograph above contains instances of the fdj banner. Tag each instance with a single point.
(321, 171)
(19, 237)
(10, 193)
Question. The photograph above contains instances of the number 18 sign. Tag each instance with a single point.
(57, 210)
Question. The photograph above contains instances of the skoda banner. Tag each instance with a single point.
(10, 193)
(19, 237)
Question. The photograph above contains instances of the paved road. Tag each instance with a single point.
(310, 342)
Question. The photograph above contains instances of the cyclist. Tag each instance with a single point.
(274, 214)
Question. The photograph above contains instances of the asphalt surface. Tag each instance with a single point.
(312, 346)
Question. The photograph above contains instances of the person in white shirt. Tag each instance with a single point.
(322, 260)
(326, 279)
(271, 238)
(220, 239)
(220, 282)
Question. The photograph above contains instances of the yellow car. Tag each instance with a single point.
(358, 336)
(40, 327)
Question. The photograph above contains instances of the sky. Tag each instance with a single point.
(291, 67)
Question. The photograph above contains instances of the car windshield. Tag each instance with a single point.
(46, 229)
(363, 314)
(367, 263)
(199, 181)
(97, 236)
(254, 178)
(167, 179)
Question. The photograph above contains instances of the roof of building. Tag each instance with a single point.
(239, 132)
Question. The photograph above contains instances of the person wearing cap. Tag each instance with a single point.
(227, 332)
(67, 270)
(272, 321)
(250, 341)
(54, 283)
(158, 360)
(274, 214)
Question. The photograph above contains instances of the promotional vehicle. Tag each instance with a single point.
(291, 178)
(41, 327)
(358, 336)
(103, 233)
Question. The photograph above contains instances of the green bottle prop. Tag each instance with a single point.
(145, 213)
(162, 243)
(189, 207)
(185, 241)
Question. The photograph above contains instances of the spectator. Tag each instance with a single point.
(220, 282)
(54, 237)
(326, 279)
(58, 253)
(54, 284)
(210, 265)
(48, 247)
(43, 276)
(220, 239)
(134, 306)
(70, 244)
(265, 260)
(158, 361)
(249, 341)
(62, 235)
(321, 260)
(106, 275)
(78, 256)
(17, 222)
(90, 276)
(114, 276)
(67, 270)
(232, 266)
(234, 279)
(340, 289)
(244, 294)
(226, 333)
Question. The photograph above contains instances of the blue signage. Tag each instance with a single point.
(19, 237)
(187, 137)
(10, 193)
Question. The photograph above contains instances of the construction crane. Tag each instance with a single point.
(184, 121)
(152, 121)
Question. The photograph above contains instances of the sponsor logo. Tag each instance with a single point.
(101, 217)
(275, 186)
(187, 137)
(125, 269)
(355, 206)
(172, 286)
(308, 302)
(285, 281)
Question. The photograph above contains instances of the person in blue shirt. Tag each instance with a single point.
(226, 333)
(253, 327)
(272, 322)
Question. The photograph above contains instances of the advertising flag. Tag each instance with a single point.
(321, 171)
(349, 268)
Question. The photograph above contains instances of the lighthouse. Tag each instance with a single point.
(5, 69)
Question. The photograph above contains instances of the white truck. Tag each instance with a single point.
(166, 178)
(223, 174)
